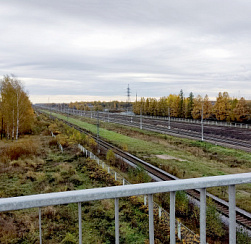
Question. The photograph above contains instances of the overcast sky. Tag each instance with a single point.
(69, 50)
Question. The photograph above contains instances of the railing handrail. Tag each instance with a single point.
(57, 198)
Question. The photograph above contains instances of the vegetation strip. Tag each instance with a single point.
(192, 166)
(41, 168)
(212, 214)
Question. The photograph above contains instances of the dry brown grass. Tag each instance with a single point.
(53, 142)
(15, 150)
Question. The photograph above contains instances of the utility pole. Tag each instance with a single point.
(202, 123)
(98, 131)
(140, 118)
(128, 97)
(169, 119)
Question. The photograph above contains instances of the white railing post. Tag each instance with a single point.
(80, 222)
(232, 215)
(151, 225)
(203, 216)
(40, 225)
(179, 230)
(144, 199)
(117, 220)
(172, 217)
(160, 212)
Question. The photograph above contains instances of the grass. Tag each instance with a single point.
(193, 158)
(49, 170)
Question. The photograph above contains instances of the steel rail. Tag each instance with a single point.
(180, 132)
(242, 217)
(225, 141)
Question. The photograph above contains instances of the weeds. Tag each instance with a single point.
(138, 175)
(17, 149)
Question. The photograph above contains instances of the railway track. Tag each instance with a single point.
(219, 135)
(237, 138)
(242, 217)
(219, 140)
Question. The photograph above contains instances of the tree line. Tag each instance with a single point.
(224, 108)
(16, 113)
(113, 106)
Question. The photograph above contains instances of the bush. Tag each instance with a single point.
(125, 147)
(53, 142)
(110, 157)
(69, 239)
(214, 224)
(15, 150)
(138, 175)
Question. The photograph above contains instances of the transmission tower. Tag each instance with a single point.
(128, 97)
(128, 94)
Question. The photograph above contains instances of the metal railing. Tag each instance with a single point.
(183, 233)
(116, 192)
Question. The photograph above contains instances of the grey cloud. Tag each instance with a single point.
(157, 46)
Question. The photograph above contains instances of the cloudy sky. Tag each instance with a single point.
(69, 50)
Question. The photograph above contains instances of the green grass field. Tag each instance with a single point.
(183, 158)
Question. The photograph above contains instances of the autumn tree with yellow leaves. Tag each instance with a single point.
(197, 107)
(15, 108)
(224, 109)
(242, 110)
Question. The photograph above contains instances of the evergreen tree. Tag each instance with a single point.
(181, 104)
(190, 105)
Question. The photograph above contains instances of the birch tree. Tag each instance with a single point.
(16, 109)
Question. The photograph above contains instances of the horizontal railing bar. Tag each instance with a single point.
(57, 198)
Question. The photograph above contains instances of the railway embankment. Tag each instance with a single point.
(148, 150)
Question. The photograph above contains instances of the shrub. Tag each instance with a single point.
(69, 239)
(53, 142)
(110, 157)
(76, 180)
(15, 150)
(125, 148)
(54, 129)
(214, 224)
(66, 170)
(63, 140)
(139, 175)
(182, 203)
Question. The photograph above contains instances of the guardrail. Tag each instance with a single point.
(116, 192)
(183, 233)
